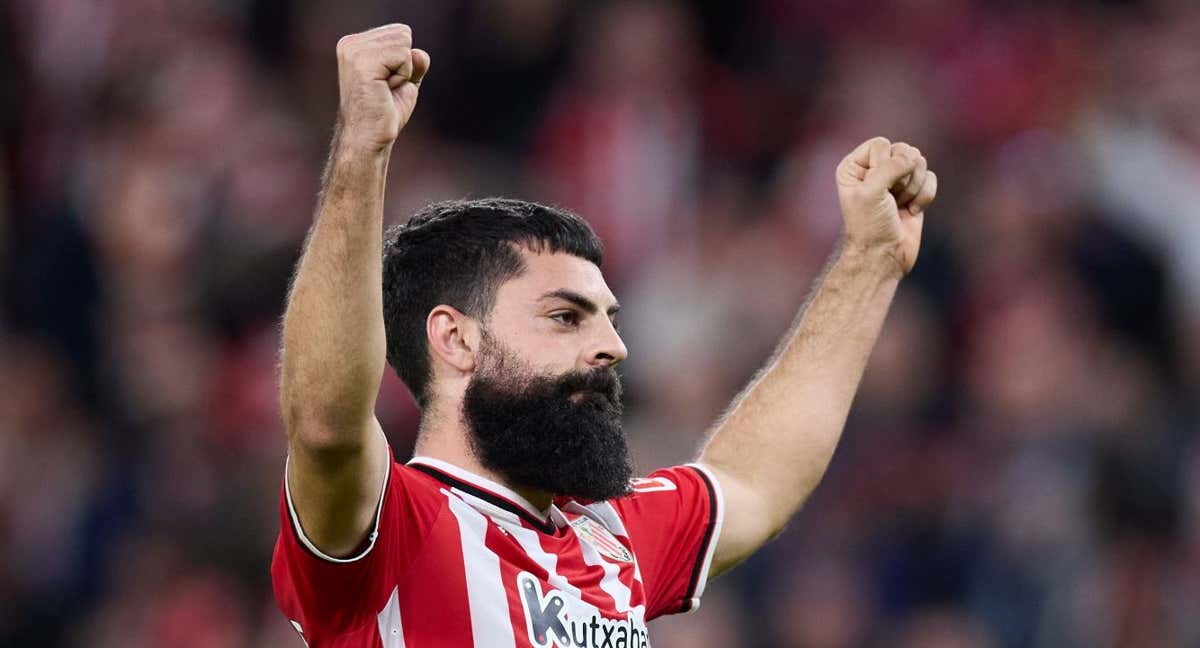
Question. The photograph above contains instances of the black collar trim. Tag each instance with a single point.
(545, 526)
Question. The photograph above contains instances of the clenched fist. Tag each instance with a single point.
(379, 74)
(884, 190)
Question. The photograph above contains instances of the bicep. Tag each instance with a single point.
(334, 491)
(747, 524)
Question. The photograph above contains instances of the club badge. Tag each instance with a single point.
(600, 538)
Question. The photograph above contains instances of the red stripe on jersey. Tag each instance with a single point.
(445, 599)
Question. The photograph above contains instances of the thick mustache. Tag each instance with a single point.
(604, 381)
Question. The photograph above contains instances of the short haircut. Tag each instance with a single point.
(459, 253)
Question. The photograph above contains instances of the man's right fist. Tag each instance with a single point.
(378, 76)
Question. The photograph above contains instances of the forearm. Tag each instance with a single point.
(333, 333)
(780, 433)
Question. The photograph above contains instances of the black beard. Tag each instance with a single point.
(559, 434)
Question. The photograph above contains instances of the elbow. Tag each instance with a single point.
(772, 515)
(777, 523)
(326, 409)
(322, 430)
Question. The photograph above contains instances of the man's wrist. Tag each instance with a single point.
(877, 261)
(353, 167)
(357, 151)
(350, 144)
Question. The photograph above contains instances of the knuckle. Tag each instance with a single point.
(401, 31)
(389, 28)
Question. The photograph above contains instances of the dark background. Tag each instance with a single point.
(1020, 468)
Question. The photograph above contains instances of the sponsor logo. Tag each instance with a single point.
(548, 624)
(601, 539)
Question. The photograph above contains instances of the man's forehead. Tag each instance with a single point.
(549, 272)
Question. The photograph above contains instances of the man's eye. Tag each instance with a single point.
(567, 317)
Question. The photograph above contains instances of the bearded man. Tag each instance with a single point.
(518, 522)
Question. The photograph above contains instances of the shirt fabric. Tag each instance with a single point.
(458, 560)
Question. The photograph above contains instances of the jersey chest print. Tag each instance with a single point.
(551, 625)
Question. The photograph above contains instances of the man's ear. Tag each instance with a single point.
(453, 337)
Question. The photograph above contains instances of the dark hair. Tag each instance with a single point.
(459, 252)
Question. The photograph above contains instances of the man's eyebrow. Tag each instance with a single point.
(579, 300)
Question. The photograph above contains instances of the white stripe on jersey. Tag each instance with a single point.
(611, 583)
(391, 631)
(491, 626)
(528, 539)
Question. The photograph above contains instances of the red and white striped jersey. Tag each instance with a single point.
(459, 560)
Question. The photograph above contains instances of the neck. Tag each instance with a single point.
(449, 443)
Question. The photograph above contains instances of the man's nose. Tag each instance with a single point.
(609, 349)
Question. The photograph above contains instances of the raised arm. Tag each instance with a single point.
(773, 445)
(333, 337)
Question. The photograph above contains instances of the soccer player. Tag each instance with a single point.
(518, 523)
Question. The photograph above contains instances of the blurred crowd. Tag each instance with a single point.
(1021, 467)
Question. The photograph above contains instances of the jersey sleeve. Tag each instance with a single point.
(672, 519)
(326, 597)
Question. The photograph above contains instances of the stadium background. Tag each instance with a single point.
(1020, 468)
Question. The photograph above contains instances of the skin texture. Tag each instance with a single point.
(773, 445)
(768, 452)
(333, 335)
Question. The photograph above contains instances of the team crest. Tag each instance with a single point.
(601, 539)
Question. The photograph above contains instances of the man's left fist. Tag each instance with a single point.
(884, 190)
